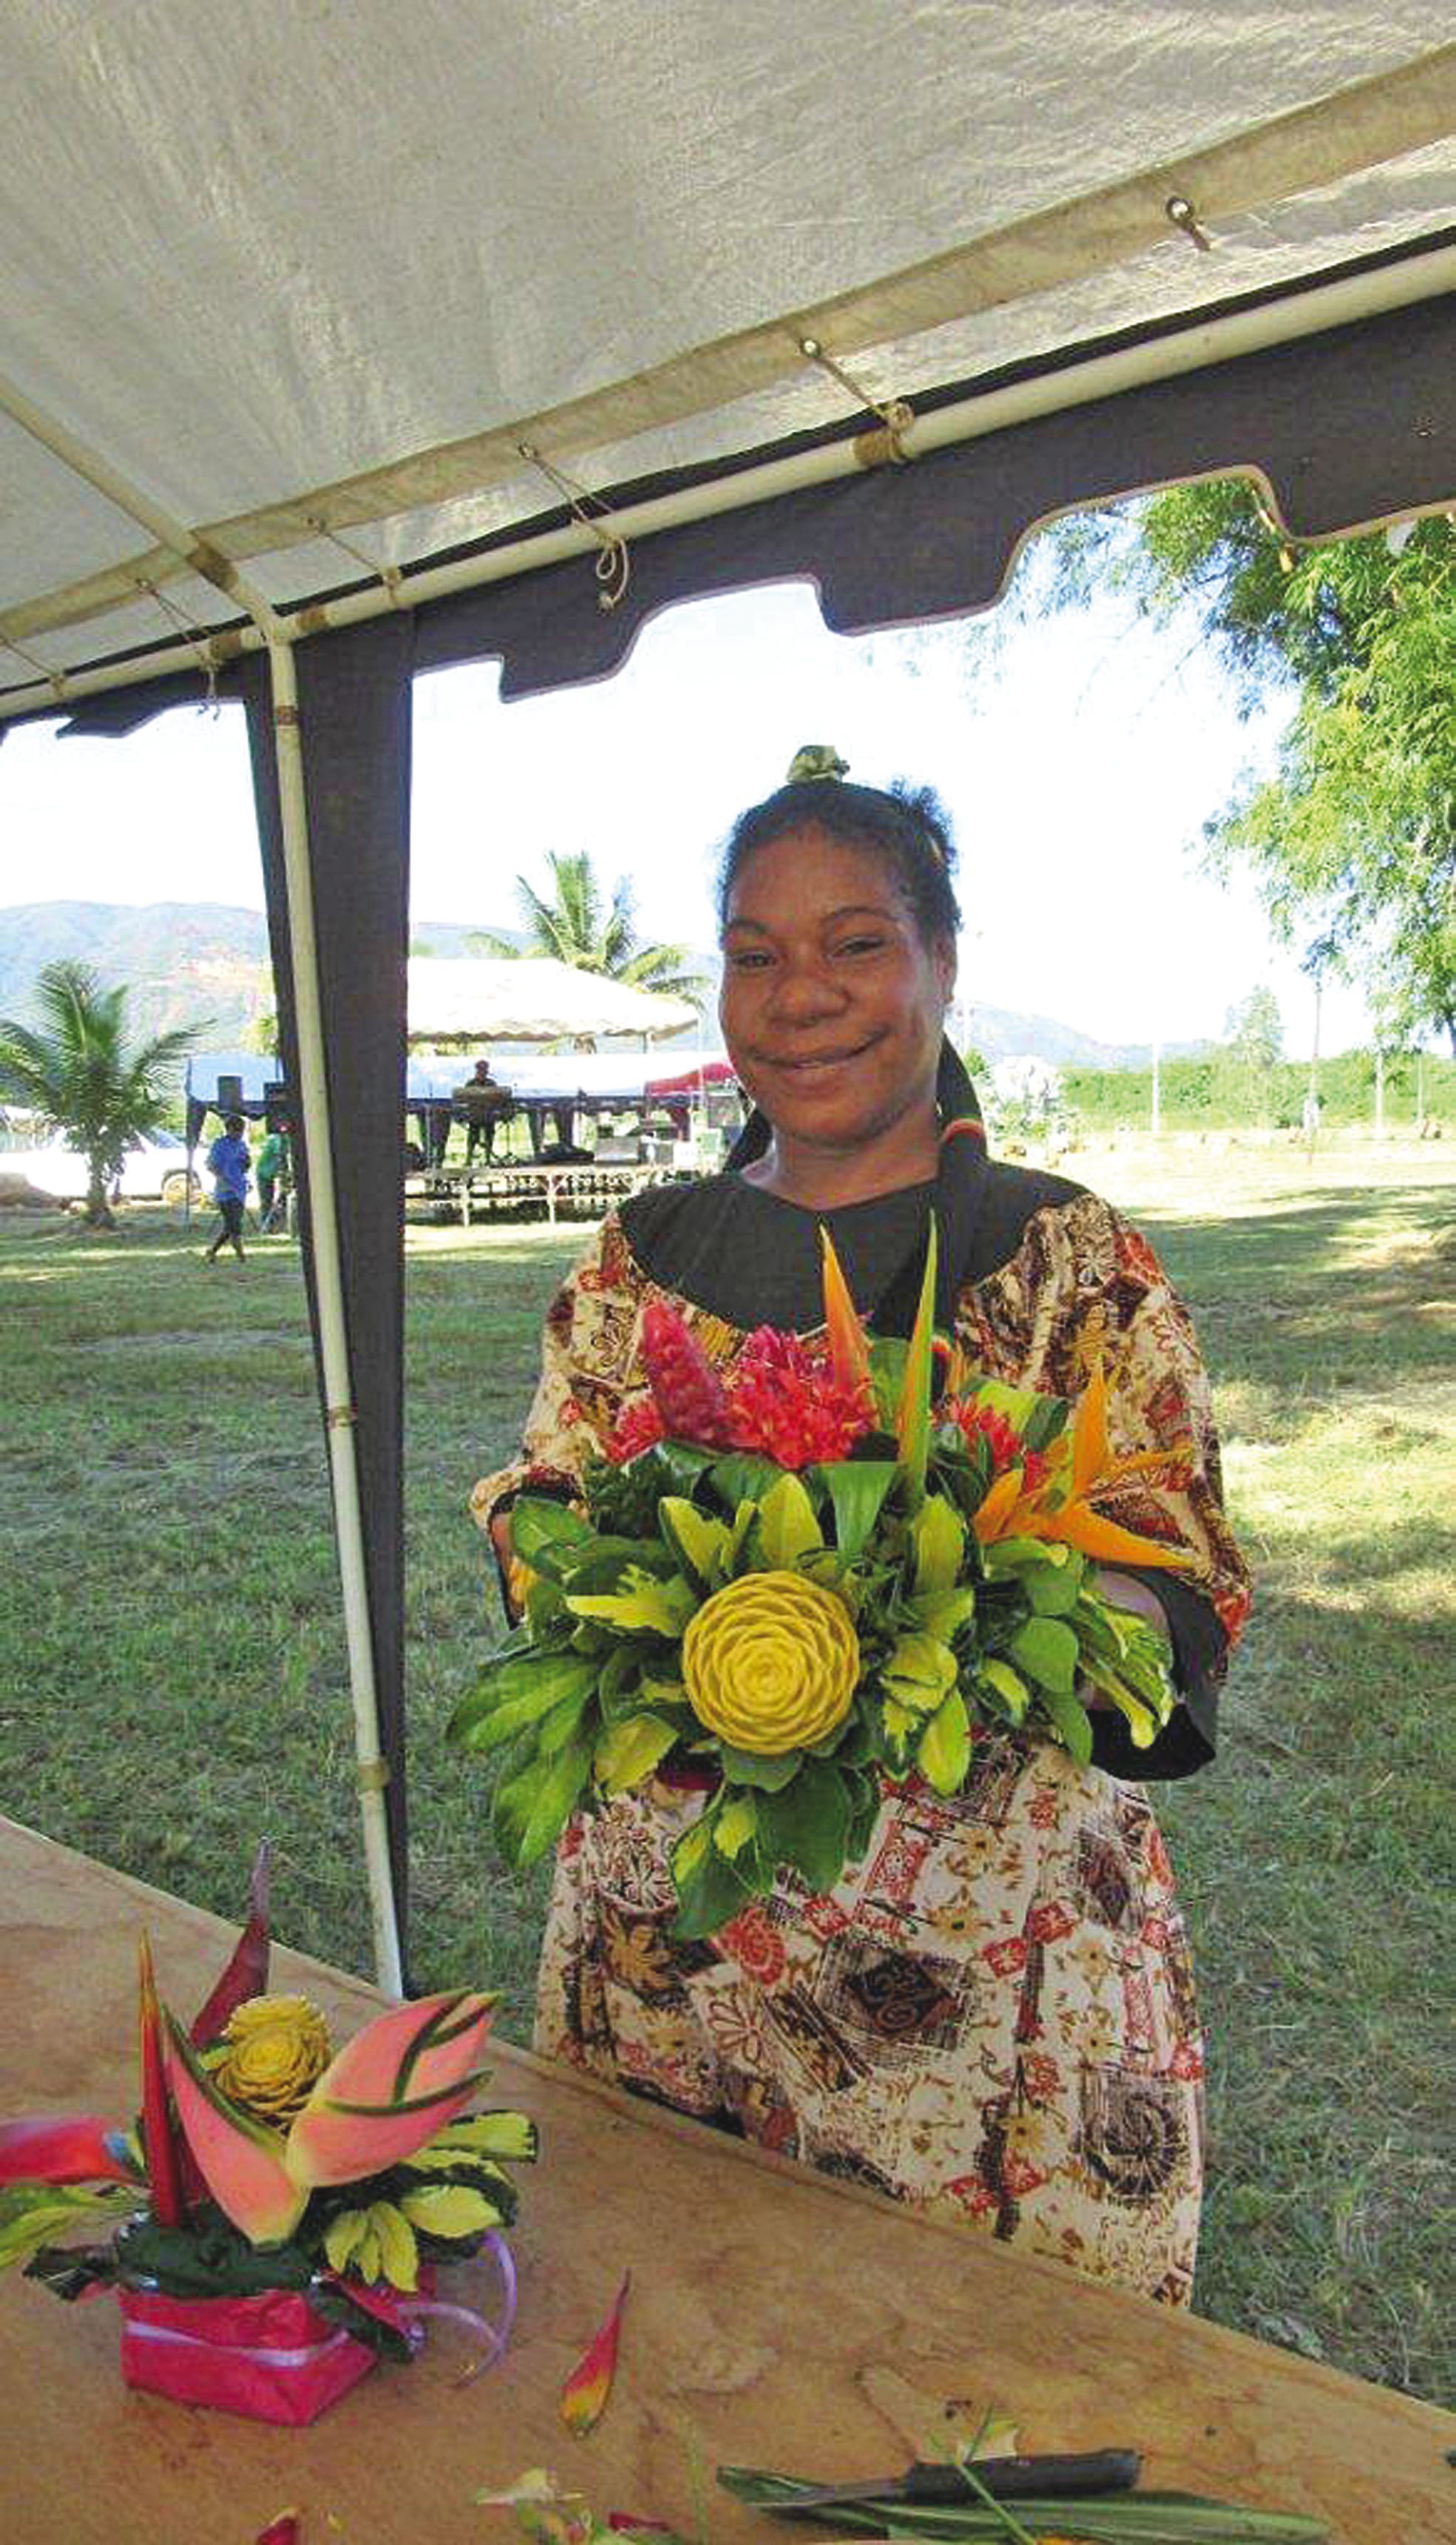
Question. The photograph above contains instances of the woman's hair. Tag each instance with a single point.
(906, 826)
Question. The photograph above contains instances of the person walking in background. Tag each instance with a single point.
(272, 1180)
(229, 1164)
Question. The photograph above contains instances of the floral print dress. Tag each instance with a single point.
(992, 2015)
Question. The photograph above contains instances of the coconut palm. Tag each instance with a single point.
(578, 926)
(78, 1068)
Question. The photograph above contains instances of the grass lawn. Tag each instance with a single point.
(172, 1678)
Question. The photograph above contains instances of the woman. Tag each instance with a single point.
(992, 2015)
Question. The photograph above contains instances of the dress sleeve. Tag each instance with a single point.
(588, 1356)
(1159, 1399)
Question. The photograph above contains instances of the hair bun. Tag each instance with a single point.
(816, 760)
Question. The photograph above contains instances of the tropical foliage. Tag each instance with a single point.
(580, 924)
(79, 1068)
(1354, 840)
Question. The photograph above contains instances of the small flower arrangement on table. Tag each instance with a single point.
(274, 2221)
(840, 1565)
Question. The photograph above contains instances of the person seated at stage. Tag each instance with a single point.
(480, 1102)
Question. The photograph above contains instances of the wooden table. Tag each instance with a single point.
(762, 2295)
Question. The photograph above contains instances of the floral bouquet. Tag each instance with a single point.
(273, 2222)
(815, 1576)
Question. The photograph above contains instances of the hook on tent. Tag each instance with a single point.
(897, 416)
(613, 564)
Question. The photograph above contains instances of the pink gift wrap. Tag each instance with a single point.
(273, 2357)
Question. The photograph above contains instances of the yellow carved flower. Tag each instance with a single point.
(770, 1663)
(273, 2051)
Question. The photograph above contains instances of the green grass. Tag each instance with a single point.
(172, 1678)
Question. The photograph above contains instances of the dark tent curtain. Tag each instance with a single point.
(354, 703)
(1346, 426)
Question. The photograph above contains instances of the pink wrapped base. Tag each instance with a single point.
(271, 2357)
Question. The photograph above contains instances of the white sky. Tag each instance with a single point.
(1078, 766)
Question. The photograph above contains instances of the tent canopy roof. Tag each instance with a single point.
(531, 999)
(296, 282)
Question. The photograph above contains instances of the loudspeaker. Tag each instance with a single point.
(229, 1096)
(278, 1104)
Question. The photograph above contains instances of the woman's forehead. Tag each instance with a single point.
(806, 874)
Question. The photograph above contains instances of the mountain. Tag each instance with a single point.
(206, 962)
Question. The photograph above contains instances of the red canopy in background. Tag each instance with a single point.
(711, 1072)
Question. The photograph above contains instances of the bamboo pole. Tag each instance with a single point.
(1195, 347)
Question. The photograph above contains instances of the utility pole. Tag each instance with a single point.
(1312, 1092)
(1379, 1093)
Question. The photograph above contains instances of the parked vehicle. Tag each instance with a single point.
(153, 1170)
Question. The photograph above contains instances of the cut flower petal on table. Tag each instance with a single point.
(587, 2390)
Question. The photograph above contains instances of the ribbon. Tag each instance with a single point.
(408, 2313)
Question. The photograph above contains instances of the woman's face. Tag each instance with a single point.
(833, 1004)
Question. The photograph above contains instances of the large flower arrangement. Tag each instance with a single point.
(817, 1575)
(272, 2182)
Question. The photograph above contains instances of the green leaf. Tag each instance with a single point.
(1053, 1590)
(710, 1888)
(789, 1526)
(944, 1614)
(532, 1810)
(642, 1605)
(699, 1542)
(913, 1414)
(627, 1754)
(547, 1535)
(1073, 1723)
(807, 1825)
(1046, 1650)
(450, 2210)
(857, 1488)
(1013, 1690)
(734, 1825)
(766, 1774)
(557, 1728)
(920, 1670)
(516, 1693)
(939, 1536)
(945, 1752)
(500, 2134)
(742, 1477)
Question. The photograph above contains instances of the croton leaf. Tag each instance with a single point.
(629, 1751)
(533, 1809)
(788, 1524)
(547, 1536)
(807, 1825)
(857, 1488)
(944, 1751)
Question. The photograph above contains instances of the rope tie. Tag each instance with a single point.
(897, 416)
(388, 575)
(197, 644)
(613, 565)
(55, 681)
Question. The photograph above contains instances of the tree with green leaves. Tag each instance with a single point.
(581, 926)
(1353, 841)
(79, 1069)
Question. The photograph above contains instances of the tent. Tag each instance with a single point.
(330, 357)
(531, 1000)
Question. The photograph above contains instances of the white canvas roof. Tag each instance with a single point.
(531, 1000)
(295, 274)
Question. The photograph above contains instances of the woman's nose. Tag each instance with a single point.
(804, 992)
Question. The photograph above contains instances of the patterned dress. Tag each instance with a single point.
(992, 2016)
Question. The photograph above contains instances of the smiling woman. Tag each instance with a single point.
(991, 2014)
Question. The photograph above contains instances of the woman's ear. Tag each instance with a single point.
(946, 966)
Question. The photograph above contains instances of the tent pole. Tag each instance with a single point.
(339, 1411)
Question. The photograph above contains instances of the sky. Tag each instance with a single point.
(1078, 756)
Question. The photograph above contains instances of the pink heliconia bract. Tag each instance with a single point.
(390, 2089)
(239, 2159)
(79, 2146)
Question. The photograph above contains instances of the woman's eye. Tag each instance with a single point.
(749, 959)
(859, 946)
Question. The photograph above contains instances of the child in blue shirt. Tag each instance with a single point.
(228, 1164)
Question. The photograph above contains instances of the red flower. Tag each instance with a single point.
(637, 1428)
(979, 1422)
(786, 1403)
(688, 1389)
(753, 1941)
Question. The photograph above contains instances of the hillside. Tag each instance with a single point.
(207, 963)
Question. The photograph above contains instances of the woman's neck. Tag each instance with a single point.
(824, 1179)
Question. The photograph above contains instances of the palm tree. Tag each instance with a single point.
(578, 927)
(78, 1069)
